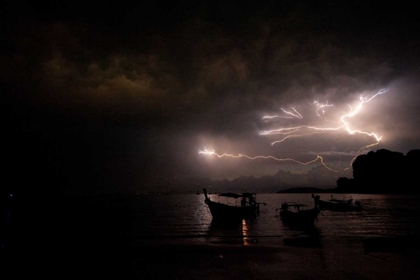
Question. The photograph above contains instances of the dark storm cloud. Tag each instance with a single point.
(181, 76)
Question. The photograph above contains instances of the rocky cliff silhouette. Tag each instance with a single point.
(383, 171)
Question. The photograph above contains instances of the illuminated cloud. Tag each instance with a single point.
(279, 81)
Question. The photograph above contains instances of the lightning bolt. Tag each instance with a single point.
(294, 114)
(317, 158)
(320, 108)
(304, 130)
(288, 115)
(343, 123)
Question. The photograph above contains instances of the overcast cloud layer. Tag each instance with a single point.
(124, 95)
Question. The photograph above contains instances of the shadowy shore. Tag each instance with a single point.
(71, 241)
(294, 259)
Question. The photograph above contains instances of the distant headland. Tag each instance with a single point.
(306, 190)
(383, 171)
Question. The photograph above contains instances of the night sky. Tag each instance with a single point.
(122, 95)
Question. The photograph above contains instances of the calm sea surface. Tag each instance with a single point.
(144, 219)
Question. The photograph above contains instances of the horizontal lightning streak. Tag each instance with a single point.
(212, 152)
(292, 136)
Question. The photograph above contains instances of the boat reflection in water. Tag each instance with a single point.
(232, 233)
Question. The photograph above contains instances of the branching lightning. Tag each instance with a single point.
(343, 123)
(304, 130)
(321, 108)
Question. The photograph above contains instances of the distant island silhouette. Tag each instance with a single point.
(306, 190)
(381, 171)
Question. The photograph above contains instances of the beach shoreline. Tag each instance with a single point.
(180, 260)
(328, 261)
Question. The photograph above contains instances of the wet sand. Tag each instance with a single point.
(342, 261)
(295, 259)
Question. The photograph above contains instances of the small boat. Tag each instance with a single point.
(333, 204)
(233, 206)
(298, 215)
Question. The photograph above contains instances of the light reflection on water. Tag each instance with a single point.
(185, 217)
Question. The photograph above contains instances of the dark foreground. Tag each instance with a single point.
(295, 259)
(71, 242)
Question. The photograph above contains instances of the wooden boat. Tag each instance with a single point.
(298, 215)
(334, 204)
(233, 206)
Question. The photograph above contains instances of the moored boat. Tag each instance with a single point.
(234, 206)
(298, 215)
(333, 204)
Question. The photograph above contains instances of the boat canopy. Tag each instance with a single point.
(249, 194)
(295, 205)
(236, 195)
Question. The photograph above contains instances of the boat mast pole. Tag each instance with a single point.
(205, 194)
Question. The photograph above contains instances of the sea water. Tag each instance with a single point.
(144, 219)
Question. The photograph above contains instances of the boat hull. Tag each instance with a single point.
(222, 211)
(302, 218)
(338, 206)
(226, 212)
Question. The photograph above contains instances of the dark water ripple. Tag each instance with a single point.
(133, 219)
